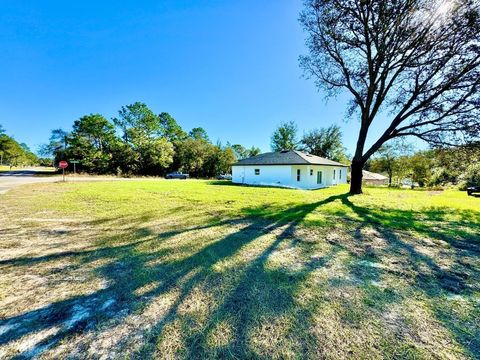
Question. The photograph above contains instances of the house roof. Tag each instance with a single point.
(287, 157)
(367, 175)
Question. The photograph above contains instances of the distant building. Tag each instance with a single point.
(289, 168)
(371, 178)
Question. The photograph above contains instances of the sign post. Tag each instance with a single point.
(63, 165)
(74, 162)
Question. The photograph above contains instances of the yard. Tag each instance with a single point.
(198, 269)
(6, 168)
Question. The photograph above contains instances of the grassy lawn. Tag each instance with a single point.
(197, 269)
(7, 168)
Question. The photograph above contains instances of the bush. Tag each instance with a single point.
(470, 177)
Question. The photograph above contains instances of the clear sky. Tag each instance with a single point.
(228, 66)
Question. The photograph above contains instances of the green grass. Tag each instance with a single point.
(5, 168)
(198, 269)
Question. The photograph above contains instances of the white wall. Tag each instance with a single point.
(278, 175)
(286, 175)
(328, 178)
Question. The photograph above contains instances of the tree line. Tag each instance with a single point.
(139, 142)
(13, 153)
(437, 167)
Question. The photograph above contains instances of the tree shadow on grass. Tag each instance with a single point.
(127, 270)
(229, 183)
(255, 293)
(403, 231)
(406, 234)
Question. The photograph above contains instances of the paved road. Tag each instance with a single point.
(11, 179)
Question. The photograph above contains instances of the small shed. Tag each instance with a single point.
(371, 178)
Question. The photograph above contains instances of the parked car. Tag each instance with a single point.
(176, 175)
(473, 189)
(224, 177)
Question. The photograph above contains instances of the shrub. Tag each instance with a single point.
(470, 177)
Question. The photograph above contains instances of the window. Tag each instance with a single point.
(340, 174)
(334, 173)
(257, 171)
(319, 177)
(311, 172)
(298, 174)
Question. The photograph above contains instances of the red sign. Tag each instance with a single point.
(63, 164)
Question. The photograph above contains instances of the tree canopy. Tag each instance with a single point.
(241, 152)
(388, 159)
(91, 140)
(285, 137)
(199, 133)
(325, 142)
(170, 128)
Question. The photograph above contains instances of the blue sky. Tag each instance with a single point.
(228, 66)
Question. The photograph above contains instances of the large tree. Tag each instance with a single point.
(199, 133)
(325, 142)
(285, 137)
(137, 120)
(420, 166)
(387, 159)
(241, 152)
(145, 148)
(91, 141)
(219, 160)
(411, 67)
(191, 155)
(170, 128)
(57, 145)
(254, 151)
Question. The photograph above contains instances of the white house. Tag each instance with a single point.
(289, 168)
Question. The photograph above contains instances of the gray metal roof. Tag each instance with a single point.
(290, 157)
(367, 175)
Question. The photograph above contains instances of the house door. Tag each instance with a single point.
(319, 177)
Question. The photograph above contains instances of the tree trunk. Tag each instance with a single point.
(356, 178)
(358, 161)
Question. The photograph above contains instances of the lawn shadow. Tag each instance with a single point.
(129, 268)
(252, 292)
(230, 183)
(404, 232)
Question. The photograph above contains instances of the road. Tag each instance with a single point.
(11, 179)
